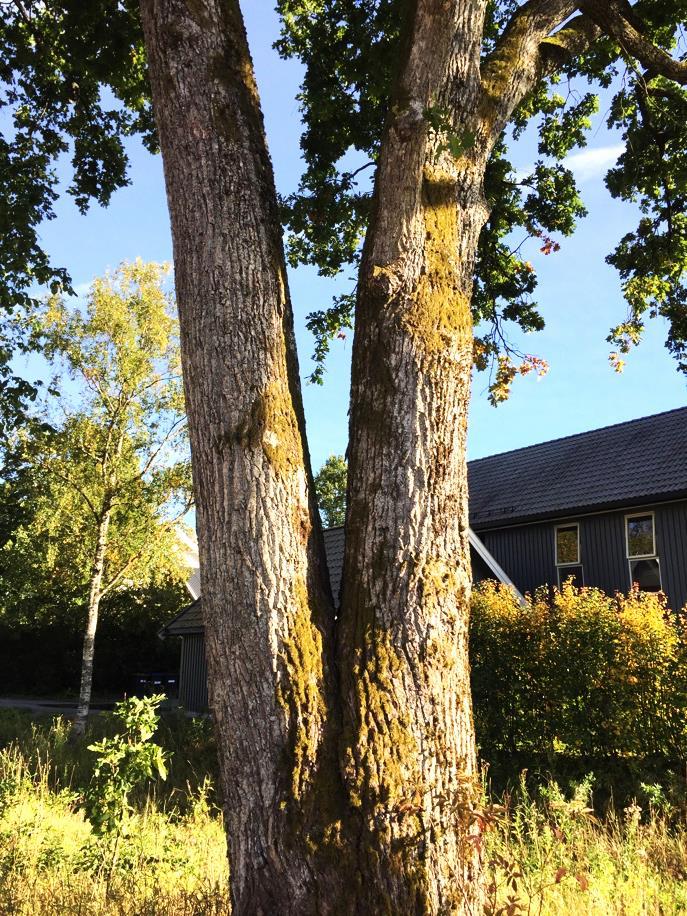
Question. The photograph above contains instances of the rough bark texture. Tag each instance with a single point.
(410, 754)
(94, 596)
(266, 603)
(348, 788)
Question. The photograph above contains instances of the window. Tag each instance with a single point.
(646, 573)
(645, 567)
(570, 572)
(568, 554)
(640, 535)
(567, 545)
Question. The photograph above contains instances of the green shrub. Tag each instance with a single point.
(579, 672)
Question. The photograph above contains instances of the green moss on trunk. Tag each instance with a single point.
(301, 692)
(439, 313)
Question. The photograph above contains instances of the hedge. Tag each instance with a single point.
(577, 671)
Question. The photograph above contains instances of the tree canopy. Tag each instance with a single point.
(74, 82)
(108, 444)
(72, 85)
(330, 485)
(350, 51)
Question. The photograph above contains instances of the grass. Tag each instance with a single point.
(170, 857)
(550, 854)
(546, 850)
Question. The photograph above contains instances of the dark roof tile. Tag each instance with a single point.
(629, 463)
(185, 623)
(334, 549)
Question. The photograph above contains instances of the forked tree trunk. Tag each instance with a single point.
(369, 813)
(266, 600)
(94, 596)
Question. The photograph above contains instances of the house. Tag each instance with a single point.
(606, 508)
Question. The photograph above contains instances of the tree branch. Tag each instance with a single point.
(618, 21)
(516, 64)
(169, 436)
(557, 50)
(124, 569)
(77, 489)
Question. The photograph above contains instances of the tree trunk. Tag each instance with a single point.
(266, 599)
(409, 743)
(370, 813)
(94, 596)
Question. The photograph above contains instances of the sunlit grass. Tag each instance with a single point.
(545, 851)
(52, 862)
(553, 856)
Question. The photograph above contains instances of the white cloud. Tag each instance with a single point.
(587, 164)
(593, 163)
(82, 289)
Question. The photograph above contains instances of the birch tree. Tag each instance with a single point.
(113, 471)
(346, 744)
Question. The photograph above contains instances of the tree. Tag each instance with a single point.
(346, 745)
(53, 72)
(401, 679)
(110, 477)
(330, 486)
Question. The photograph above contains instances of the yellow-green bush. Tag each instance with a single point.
(578, 671)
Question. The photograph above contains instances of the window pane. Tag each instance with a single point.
(646, 574)
(640, 535)
(566, 545)
(570, 572)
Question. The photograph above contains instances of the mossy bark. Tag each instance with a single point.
(409, 743)
(348, 782)
(266, 600)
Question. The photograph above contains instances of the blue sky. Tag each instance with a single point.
(578, 293)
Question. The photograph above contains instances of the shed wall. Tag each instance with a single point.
(193, 676)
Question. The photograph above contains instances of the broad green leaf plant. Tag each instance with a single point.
(125, 761)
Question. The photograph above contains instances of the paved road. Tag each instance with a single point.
(46, 706)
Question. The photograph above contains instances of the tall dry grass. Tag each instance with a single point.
(550, 855)
(546, 852)
(171, 857)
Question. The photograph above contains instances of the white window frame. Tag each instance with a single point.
(644, 556)
(577, 562)
(561, 570)
(631, 560)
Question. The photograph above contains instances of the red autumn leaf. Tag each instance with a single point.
(582, 881)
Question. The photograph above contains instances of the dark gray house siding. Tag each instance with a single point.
(193, 674)
(527, 551)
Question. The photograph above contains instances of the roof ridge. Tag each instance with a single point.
(587, 432)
